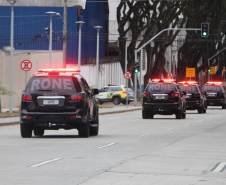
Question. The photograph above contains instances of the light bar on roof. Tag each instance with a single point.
(215, 83)
(60, 70)
(188, 82)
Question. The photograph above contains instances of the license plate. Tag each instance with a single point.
(50, 102)
(160, 97)
(211, 95)
(186, 96)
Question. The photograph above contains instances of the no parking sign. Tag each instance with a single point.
(26, 65)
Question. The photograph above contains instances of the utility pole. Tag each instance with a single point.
(65, 35)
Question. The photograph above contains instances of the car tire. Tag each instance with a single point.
(39, 131)
(94, 127)
(145, 114)
(223, 106)
(116, 100)
(179, 115)
(151, 116)
(200, 110)
(204, 110)
(100, 102)
(25, 130)
(183, 115)
(83, 130)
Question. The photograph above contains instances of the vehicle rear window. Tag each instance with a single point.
(189, 88)
(161, 88)
(212, 88)
(51, 84)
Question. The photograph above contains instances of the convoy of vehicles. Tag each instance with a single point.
(61, 99)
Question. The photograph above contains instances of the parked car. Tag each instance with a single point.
(115, 94)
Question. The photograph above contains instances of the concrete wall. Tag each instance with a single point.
(39, 60)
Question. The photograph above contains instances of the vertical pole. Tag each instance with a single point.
(126, 71)
(97, 60)
(135, 82)
(25, 78)
(50, 41)
(65, 35)
(11, 60)
(79, 47)
(141, 64)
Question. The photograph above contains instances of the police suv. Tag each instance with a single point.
(195, 99)
(215, 94)
(163, 97)
(58, 98)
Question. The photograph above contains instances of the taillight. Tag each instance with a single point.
(76, 97)
(145, 95)
(175, 95)
(24, 97)
(124, 92)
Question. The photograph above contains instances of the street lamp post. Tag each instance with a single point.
(79, 23)
(50, 36)
(97, 55)
(126, 68)
(12, 2)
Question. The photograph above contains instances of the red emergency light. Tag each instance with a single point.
(188, 82)
(214, 83)
(60, 70)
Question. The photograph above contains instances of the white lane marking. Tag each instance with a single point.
(113, 123)
(144, 135)
(45, 162)
(169, 129)
(186, 124)
(104, 146)
(220, 167)
(200, 120)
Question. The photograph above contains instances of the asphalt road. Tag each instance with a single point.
(128, 151)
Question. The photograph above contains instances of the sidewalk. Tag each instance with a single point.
(106, 108)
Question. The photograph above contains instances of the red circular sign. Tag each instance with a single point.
(127, 75)
(26, 65)
(203, 73)
(169, 74)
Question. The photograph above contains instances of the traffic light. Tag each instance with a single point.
(204, 29)
(209, 69)
(137, 67)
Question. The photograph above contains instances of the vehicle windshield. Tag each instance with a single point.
(189, 88)
(55, 84)
(212, 88)
(161, 88)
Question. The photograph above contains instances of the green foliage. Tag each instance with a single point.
(3, 90)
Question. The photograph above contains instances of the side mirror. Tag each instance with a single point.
(95, 91)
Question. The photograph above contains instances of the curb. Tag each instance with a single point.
(103, 113)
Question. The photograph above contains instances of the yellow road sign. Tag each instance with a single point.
(190, 72)
(212, 71)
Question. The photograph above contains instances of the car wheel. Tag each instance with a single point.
(179, 115)
(100, 102)
(83, 130)
(145, 114)
(151, 116)
(94, 127)
(200, 111)
(116, 101)
(39, 131)
(223, 106)
(204, 110)
(183, 115)
(25, 130)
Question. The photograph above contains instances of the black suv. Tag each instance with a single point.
(58, 98)
(163, 97)
(215, 94)
(195, 99)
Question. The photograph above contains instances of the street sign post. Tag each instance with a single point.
(26, 65)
